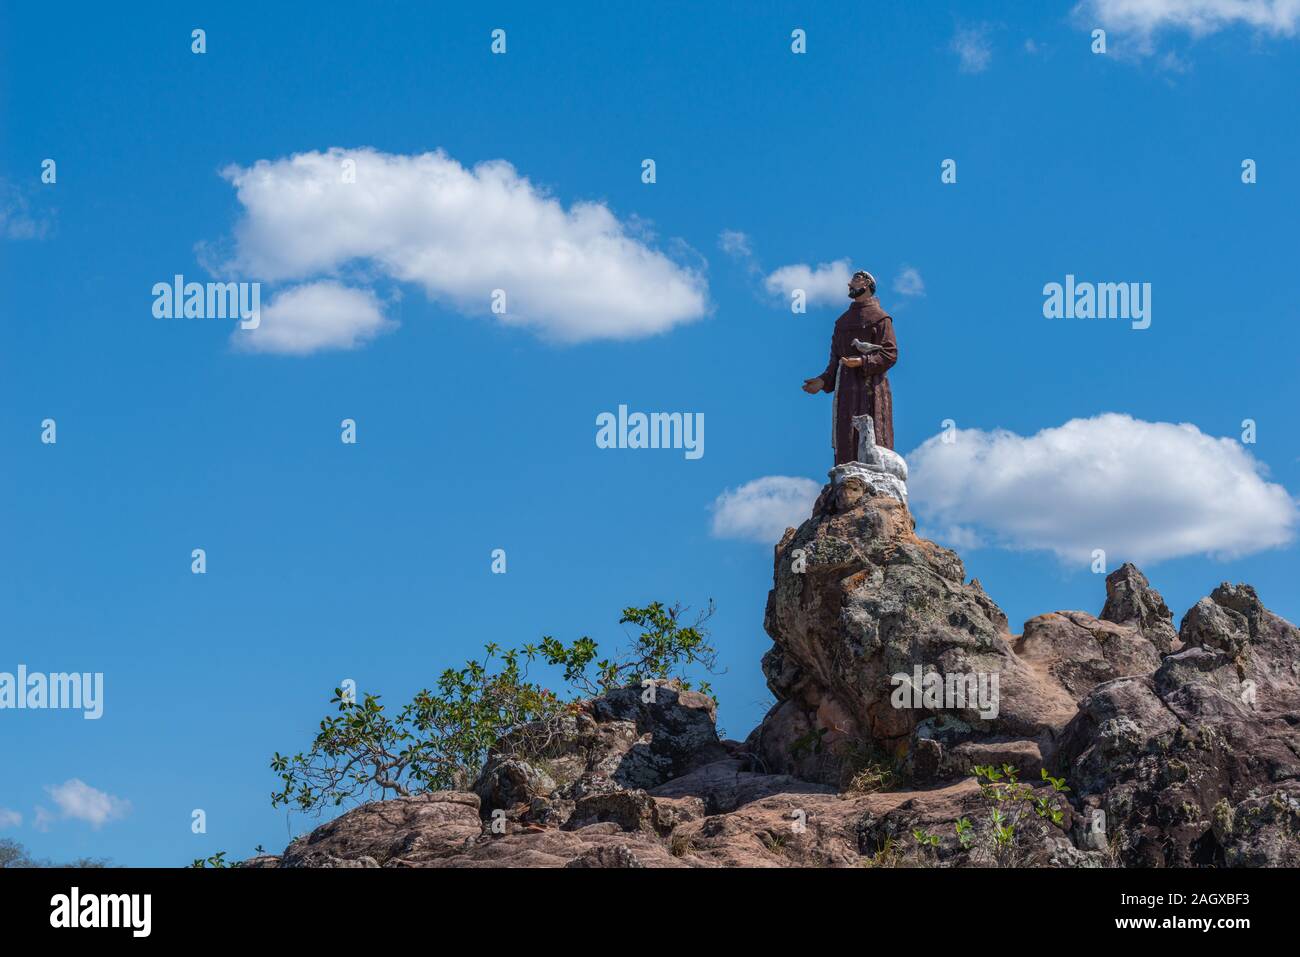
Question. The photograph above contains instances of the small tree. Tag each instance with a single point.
(437, 740)
(441, 738)
(661, 652)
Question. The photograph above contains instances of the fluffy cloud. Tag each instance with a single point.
(78, 801)
(826, 283)
(761, 510)
(974, 52)
(1199, 17)
(9, 818)
(459, 233)
(909, 282)
(1143, 491)
(314, 316)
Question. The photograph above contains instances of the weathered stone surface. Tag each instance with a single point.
(611, 743)
(608, 855)
(1081, 651)
(1130, 600)
(1198, 764)
(405, 831)
(724, 786)
(857, 599)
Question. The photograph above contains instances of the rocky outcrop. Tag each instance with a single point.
(1117, 741)
(1199, 762)
(615, 743)
(1080, 652)
(1130, 600)
(409, 830)
(863, 612)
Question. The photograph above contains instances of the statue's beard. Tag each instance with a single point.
(857, 293)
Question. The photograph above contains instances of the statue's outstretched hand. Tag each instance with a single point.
(813, 386)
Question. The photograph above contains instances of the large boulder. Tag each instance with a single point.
(614, 742)
(861, 611)
(406, 831)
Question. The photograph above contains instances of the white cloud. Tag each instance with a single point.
(459, 233)
(9, 818)
(909, 282)
(974, 52)
(761, 510)
(78, 801)
(958, 537)
(828, 282)
(1143, 491)
(315, 316)
(1199, 17)
(735, 243)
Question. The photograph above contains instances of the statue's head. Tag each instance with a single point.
(862, 284)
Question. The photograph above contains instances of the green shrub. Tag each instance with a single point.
(1009, 803)
(441, 737)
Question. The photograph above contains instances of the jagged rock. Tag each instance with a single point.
(858, 599)
(1081, 651)
(1199, 763)
(723, 786)
(612, 743)
(631, 810)
(886, 836)
(509, 781)
(1130, 600)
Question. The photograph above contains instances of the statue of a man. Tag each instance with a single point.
(863, 349)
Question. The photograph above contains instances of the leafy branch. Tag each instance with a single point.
(441, 737)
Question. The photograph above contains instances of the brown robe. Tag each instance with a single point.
(864, 390)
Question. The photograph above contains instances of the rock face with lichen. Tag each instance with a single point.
(1198, 761)
(1178, 748)
(859, 603)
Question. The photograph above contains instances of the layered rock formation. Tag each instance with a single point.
(895, 678)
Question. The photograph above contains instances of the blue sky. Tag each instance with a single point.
(372, 561)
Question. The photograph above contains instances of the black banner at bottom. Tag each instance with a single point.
(344, 906)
